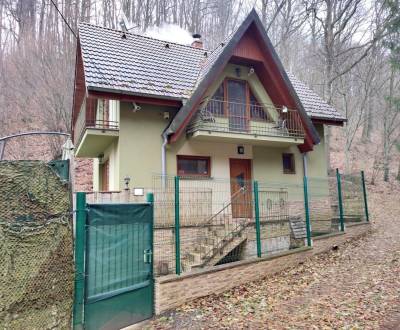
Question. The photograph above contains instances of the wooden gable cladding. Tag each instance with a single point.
(252, 51)
(248, 48)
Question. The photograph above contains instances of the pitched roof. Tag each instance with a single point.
(217, 63)
(140, 65)
(315, 106)
(137, 64)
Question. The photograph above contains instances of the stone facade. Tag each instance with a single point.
(275, 237)
(172, 291)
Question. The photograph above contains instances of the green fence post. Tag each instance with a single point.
(150, 200)
(307, 211)
(257, 213)
(365, 196)
(177, 229)
(78, 316)
(340, 200)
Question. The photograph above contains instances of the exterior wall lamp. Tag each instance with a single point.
(127, 180)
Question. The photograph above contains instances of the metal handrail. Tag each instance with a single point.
(87, 119)
(242, 189)
(221, 244)
(243, 118)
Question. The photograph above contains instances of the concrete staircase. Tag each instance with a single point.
(218, 242)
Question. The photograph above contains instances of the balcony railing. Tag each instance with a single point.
(252, 119)
(97, 114)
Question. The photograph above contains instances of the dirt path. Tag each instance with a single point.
(356, 287)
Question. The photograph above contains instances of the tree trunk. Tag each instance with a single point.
(366, 133)
(386, 130)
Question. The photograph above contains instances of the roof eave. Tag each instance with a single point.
(328, 121)
(120, 94)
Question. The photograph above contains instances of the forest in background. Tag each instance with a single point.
(345, 50)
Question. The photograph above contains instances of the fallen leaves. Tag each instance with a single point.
(356, 286)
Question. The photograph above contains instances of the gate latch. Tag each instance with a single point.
(147, 256)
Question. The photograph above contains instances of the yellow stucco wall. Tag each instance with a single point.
(140, 143)
(112, 155)
(317, 166)
(137, 151)
(140, 155)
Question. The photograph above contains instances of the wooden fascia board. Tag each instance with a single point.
(330, 122)
(79, 74)
(134, 98)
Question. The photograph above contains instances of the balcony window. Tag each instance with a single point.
(193, 166)
(107, 113)
(217, 107)
(103, 113)
(256, 110)
(235, 108)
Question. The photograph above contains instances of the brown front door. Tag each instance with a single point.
(105, 174)
(240, 171)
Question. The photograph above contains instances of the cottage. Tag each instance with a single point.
(149, 110)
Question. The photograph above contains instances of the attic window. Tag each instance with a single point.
(166, 45)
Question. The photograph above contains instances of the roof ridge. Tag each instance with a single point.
(141, 35)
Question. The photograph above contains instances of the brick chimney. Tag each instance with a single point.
(197, 42)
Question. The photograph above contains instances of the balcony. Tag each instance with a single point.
(96, 127)
(257, 124)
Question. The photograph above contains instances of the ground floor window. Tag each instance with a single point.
(193, 166)
(288, 163)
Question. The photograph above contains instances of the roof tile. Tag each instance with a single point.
(145, 66)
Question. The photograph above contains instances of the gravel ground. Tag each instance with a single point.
(354, 287)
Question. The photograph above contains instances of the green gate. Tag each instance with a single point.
(118, 265)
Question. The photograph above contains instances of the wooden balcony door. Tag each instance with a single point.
(240, 172)
(237, 105)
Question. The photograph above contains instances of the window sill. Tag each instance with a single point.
(194, 177)
(289, 172)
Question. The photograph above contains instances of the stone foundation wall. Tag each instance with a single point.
(172, 291)
(275, 237)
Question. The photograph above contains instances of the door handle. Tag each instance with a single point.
(147, 256)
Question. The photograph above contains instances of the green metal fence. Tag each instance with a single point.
(323, 205)
(215, 221)
(201, 223)
(353, 199)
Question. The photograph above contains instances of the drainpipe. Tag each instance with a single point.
(308, 240)
(163, 158)
(305, 171)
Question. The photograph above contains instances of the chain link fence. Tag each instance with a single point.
(36, 281)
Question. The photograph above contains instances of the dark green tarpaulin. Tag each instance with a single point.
(117, 236)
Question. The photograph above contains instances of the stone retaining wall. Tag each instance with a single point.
(172, 291)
